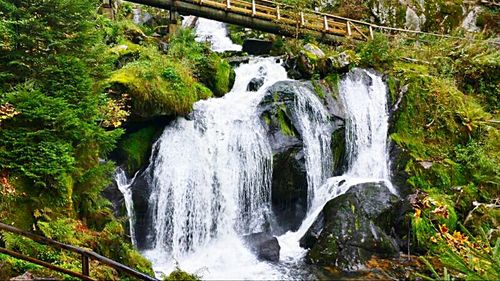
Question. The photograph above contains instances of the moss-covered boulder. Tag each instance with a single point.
(157, 87)
(353, 227)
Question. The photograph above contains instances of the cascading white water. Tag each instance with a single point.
(212, 174)
(315, 129)
(124, 185)
(216, 33)
(364, 96)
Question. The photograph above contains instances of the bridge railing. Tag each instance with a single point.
(86, 257)
(292, 18)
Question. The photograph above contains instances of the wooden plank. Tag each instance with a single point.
(45, 264)
(85, 265)
(359, 31)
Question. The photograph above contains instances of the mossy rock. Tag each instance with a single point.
(355, 227)
(135, 148)
(158, 90)
(216, 73)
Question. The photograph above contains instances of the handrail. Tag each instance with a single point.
(85, 254)
(280, 9)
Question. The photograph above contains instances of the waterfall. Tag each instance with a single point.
(216, 33)
(211, 172)
(316, 130)
(124, 185)
(364, 96)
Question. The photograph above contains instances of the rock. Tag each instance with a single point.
(141, 189)
(311, 60)
(470, 21)
(114, 195)
(236, 61)
(257, 47)
(289, 189)
(163, 47)
(264, 245)
(412, 20)
(255, 84)
(314, 51)
(425, 164)
(356, 226)
(141, 17)
(484, 216)
(340, 63)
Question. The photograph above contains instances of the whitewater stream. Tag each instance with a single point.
(211, 173)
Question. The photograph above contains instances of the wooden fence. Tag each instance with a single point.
(86, 257)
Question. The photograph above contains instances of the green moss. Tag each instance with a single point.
(285, 123)
(154, 93)
(178, 274)
(135, 148)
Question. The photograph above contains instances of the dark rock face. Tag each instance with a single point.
(141, 189)
(255, 84)
(353, 227)
(115, 196)
(264, 245)
(257, 47)
(289, 182)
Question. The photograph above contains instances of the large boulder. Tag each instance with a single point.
(257, 47)
(353, 227)
(264, 245)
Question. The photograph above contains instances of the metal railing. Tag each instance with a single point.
(86, 257)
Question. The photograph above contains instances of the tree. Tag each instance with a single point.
(49, 53)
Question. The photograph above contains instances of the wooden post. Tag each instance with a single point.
(302, 21)
(349, 28)
(278, 15)
(325, 23)
(371, 32)
(228, 4)
(85, 265)
(254, 11)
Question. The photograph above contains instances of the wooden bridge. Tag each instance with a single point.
(278, 18)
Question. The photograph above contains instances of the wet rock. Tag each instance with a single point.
(356, 226)
(114, 195)
(257, 47)
(141, 190)
(236, 61)
(255, 84)
(264, 245)
(289, 189)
